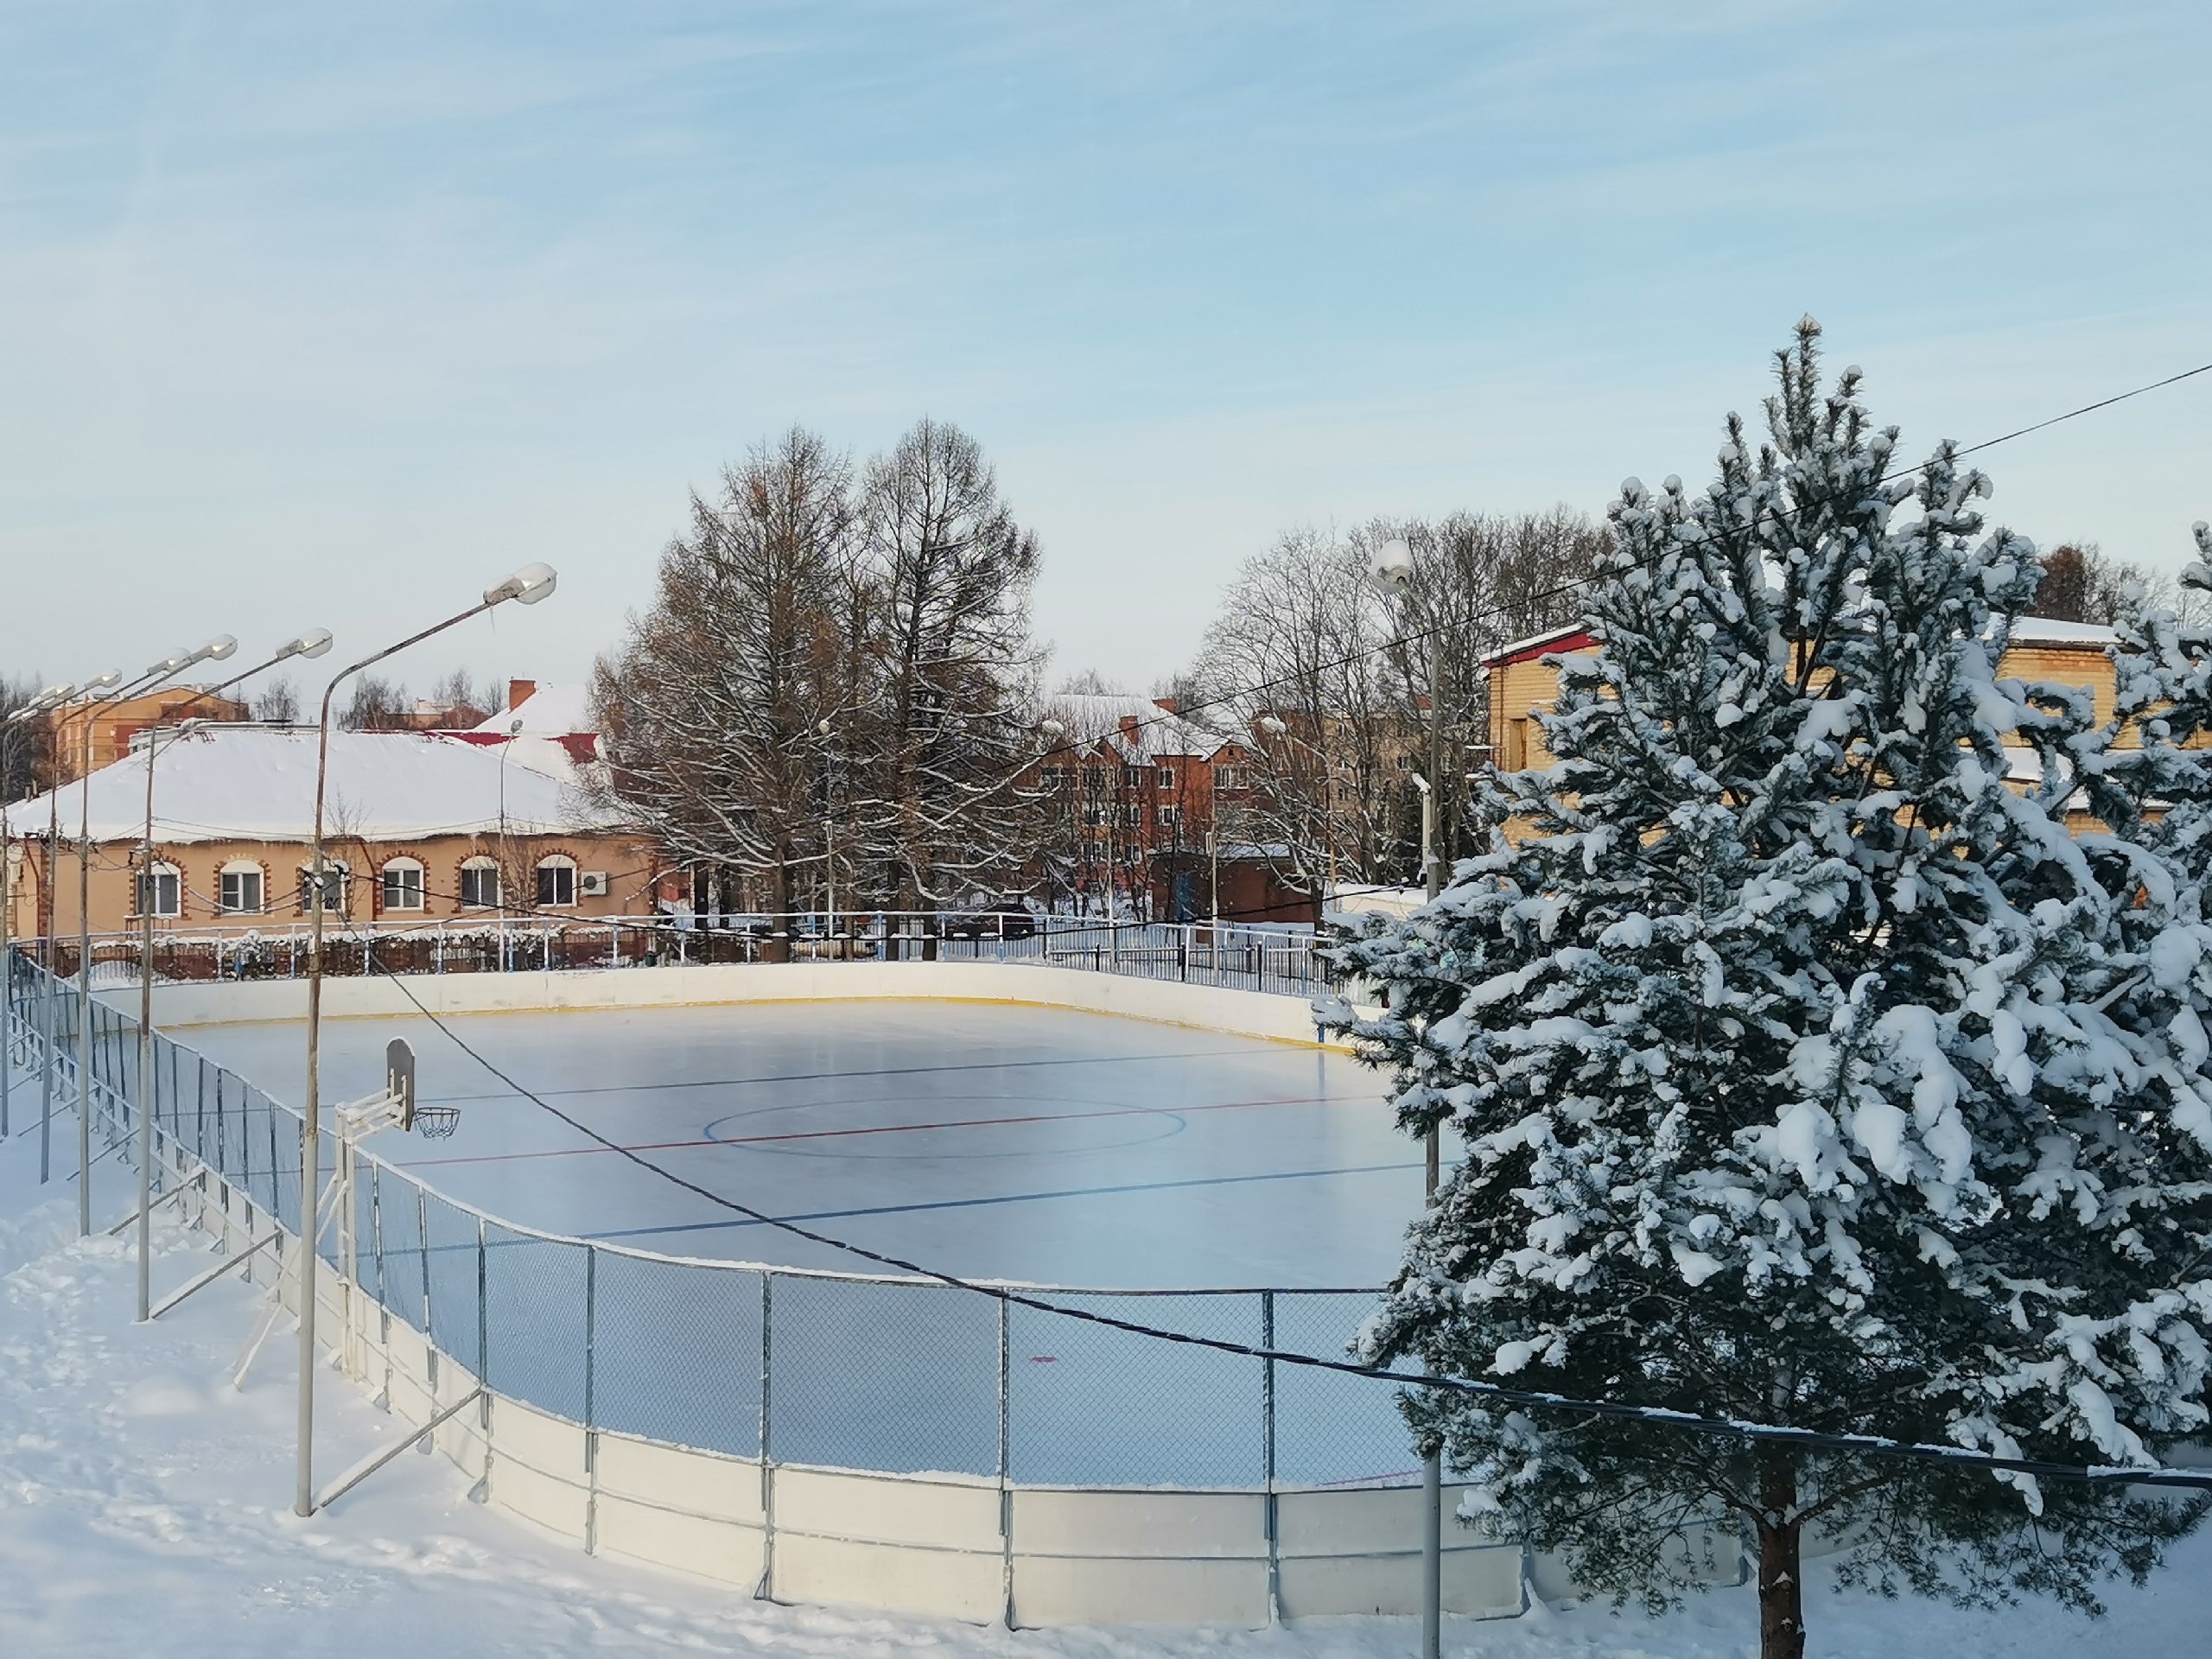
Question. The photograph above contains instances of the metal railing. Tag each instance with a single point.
(781, 1365)
(1281, 961)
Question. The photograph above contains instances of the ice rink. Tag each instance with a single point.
(983, 1140)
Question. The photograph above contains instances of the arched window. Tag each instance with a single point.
(337, 877)
(403, 884)
(480, 884)
(161, 893)
(556, 880)
(238, 888)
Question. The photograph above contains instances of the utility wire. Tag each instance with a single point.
(1870, 1445)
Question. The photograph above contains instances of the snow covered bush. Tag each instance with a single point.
(1807, 1073)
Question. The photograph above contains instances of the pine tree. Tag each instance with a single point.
(1807, 1073)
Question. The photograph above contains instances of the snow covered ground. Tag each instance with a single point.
(144, 1507)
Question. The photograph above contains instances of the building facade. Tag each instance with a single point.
(418, 829)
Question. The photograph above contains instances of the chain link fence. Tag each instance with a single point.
(791, 1366)
(1279, 960)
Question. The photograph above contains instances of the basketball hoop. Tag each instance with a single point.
(436, 1123)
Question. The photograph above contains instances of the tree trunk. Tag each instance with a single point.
(1782, 1590)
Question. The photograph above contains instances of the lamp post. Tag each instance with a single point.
(309, 644)
(1393, 572)
(825, 731)
(52, 697)
(215, 650)
(527, 586)
(92, 689)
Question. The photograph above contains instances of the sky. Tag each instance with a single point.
(331, 316)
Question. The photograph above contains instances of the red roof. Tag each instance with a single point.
(1573, 636)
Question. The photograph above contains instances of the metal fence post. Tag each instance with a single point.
(376, 1252)
(766, 1590)
(1268, 1461)
(591, 1416)
(1006, 1454)
(429, 1328)
(483, 1358)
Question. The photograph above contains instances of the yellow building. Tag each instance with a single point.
(1522, 682)
(420, 829)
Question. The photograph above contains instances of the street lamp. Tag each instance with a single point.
(52, 697)
(824, 730)
(526, 586)
(1393, 572)
(309, 644)
(94, 690)
(215, 650)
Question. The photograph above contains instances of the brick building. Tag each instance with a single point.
(420, 827)
(107, 728)
(1138, 797)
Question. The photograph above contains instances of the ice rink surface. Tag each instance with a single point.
(983, 1140)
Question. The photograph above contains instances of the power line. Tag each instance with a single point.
(1875, 1446)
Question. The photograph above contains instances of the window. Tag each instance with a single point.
(1133, 776)
(480, 884)
(239, 889)
(1093, 780)
(1170, 819)
(1054, 778)
(556, 881)
(335, 878)
(1163, 777)
(403, 885)
(1227, 777)
(1133, 815)
(161, 893)
(1517, 745)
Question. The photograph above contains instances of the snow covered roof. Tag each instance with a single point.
(1567, 637)
(257, 782)
(1090, 718)
(548, 711)
(2050, 631)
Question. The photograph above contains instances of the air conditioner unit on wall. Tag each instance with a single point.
(592, 884)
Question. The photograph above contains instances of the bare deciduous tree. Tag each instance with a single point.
(949, 676)
(712, 708)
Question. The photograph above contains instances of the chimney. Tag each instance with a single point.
(1168, 703)
(519, 692)
(1129, 724)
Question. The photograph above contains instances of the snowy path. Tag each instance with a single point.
(144, 1509)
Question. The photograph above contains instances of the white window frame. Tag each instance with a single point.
(1225, 778)
(1163, 777)
(237, 870)
(402, 867)
(555, 864)
(164, 874)
(343, 871)
(482, 865)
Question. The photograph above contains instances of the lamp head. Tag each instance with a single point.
(176, 662)
(823, 726)
(527, 586)
(1271, 726)
(217, 650)
(1420, 782)
(1393, 568)
(315, 642)
(107, 682)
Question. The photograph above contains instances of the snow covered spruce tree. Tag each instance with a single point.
(1807, 1074)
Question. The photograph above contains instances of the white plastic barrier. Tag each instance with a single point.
(1240, 1013)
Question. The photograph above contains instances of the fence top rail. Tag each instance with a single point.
(371, 1160)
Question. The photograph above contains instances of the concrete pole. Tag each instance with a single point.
(528, 585)
(1431, 1470)
(85, 991)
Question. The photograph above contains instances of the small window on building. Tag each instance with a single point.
(403, 885)
(1163, 777)
(1054, 778)
(1227, 777)
(162, 893)
(1170, 819)
(239, 889)
(336, 877)
(556, 881)
(1517, 745)
(1133, 776)
(480, 884)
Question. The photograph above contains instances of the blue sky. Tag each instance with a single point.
(310, 316)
